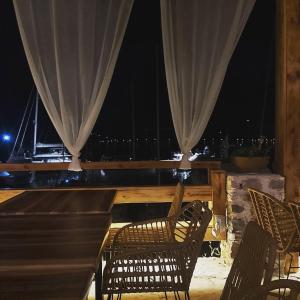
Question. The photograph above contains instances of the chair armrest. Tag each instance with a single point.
(265, 289)
(143, 234)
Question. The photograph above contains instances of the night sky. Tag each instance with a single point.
(139, 77)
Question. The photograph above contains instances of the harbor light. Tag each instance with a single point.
(6, 138)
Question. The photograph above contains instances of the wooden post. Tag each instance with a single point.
(287, 157)
(157, 93)
(98, 282)
(218, 184)
(133, 133)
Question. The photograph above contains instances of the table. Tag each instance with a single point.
(59, 201)
(50, 243)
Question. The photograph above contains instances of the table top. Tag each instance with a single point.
(51, 250)
(55, 201)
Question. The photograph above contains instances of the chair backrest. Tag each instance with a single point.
(253, 264)
(192, 221)
(177, 200)
(191, 224)
(275, 217)
(263, 291)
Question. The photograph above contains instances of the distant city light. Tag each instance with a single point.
(181, 174)
(6, 138)
(4, 174)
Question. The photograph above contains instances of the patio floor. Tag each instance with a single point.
(207, 283)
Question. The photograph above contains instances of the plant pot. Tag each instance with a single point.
(250, 163)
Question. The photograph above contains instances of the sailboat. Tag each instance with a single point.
(41, 152)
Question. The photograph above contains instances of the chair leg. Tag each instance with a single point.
(279, 266)
(98, 282)
(110, 296)
(288, 265)
(279, 272)
(290, 259)
(291, 263)
(187, 295)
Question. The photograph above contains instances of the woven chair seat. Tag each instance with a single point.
(144, 234)
(143, 239)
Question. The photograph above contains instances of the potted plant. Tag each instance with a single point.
(251, 158)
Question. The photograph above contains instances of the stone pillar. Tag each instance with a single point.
(239, 206)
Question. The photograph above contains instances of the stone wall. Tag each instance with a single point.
(239, 206)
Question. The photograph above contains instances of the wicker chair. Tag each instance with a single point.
(253, 264)
(276, 217)
(174, 209)
(159, 263)
(263, 291)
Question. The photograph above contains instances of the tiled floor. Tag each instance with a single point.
(207, 283)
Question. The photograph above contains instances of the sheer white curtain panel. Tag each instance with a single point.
(199, 37)
(72, 47)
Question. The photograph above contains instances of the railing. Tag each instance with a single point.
(213, 192)
(149, 164)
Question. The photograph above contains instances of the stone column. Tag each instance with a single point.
(239, 206)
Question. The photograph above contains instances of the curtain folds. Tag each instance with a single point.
(199, 38)
(72, 47)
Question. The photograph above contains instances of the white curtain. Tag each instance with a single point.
(199, 37)
(72, 47)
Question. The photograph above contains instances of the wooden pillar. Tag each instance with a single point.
(218, 183)
(287, 157)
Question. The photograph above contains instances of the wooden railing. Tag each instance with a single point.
(213, 192)
(149, 164)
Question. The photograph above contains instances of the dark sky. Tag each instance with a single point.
(247, 88)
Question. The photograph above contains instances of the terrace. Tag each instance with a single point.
(54, 222)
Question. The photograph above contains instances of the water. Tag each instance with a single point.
(102, 178)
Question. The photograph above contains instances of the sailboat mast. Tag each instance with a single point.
(157, 90)
(35, 122)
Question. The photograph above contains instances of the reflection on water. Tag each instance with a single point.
(105, 178)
